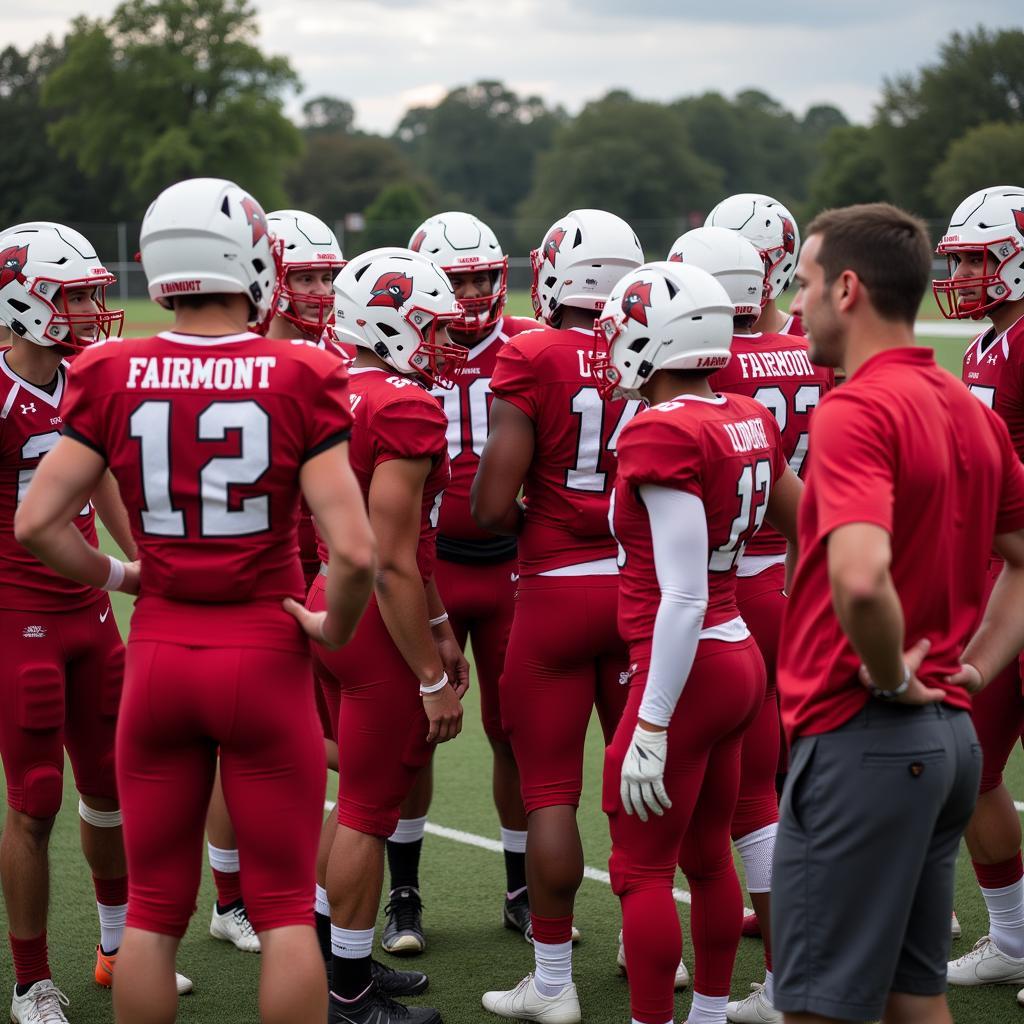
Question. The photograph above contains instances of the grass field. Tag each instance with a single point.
(462, 881)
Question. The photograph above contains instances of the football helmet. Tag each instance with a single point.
(39, 262)
(730, 258)
(208, 236)
(307, 243)
(661, 316)
(582, 256)
(770, 227)
(399, 304)
(989, 222)
(461, 243)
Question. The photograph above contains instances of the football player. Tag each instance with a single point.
(774, 370)
(773, 231)
(211, 430)
(984, 246)
(552, 436)
(64, 661)
(391, 692)
(474, 568)
(698, 473)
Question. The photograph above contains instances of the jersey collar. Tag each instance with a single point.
(51, 400)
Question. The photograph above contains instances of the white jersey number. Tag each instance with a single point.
(476, 397)
(754, 480)
(590, 407)
(35, 448)
(805, 399)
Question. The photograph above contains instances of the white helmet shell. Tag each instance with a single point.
(729, 258)
(208, 236)
(460, 243)
(662, 316)
(769, 227)
(398, 304)
(307, 243)
(39, 262)
(582, 256)
(989, 222)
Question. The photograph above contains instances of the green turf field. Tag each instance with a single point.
(468, 952)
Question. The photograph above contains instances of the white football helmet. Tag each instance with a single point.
(307, 243)
(39, 262)
(399, 304)
(661, 316)
(990, 222)
(208, 236)
(461, 243)
(582, 256)
(770, 227)
(730, 258)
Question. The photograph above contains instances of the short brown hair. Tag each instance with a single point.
(887, 248)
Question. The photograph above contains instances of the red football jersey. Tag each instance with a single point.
(30, 425)
(206, 437)
(466, 406)
(994, 371)
(729, 453)
(774, 370)
(794, 326)
(395, 417)
(903, 446)
(547, 374)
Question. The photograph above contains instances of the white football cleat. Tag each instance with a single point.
(183, 984)
(236, 928)
(524, 1002)
(954, 929)
(986, 964)
(43, 1003)
(682, 974)
(755, 1009)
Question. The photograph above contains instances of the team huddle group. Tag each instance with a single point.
(652, 499)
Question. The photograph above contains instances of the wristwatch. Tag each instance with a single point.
(894, 693)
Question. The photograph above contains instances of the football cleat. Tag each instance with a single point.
(515, 915)
(682, 974)
(755, 1009)
(43, 1003)
(235, 927)
(374, 1007)
(986, 964)
(954, 929)
(398, 983)
(524, 1002)
(403, 932)
(751, 928)
(104, 974)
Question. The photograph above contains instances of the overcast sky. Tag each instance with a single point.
(387, 55)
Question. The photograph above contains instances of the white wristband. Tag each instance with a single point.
(116, 576)
(433, 688)
(439, 620)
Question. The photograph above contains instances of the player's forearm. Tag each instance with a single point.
(403, 607)
(501, 513)
(440, 626)
(872, 619)
(111, 510)
(349, 585)
(1000, 637)
(66, 551)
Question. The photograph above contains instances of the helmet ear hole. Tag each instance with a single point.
(638, 344)
(387, 330)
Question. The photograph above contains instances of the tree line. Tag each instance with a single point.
(101, 120)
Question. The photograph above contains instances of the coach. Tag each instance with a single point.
(910, 482)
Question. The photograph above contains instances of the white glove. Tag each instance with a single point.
(643, 773)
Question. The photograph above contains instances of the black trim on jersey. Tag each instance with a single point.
(488, 551)
(327, 442)
(69, 431)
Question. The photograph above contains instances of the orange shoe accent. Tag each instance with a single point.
(105, 967)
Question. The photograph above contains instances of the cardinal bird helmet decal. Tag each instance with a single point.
(553, 244)
(636, 300)
(788, 235)
(392, 289)
(1018, 219)
(256, 217)
(12, 263)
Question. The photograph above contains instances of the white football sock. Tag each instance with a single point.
(769, 987)
(320, 902)
(351, 943)
(707, 1009)
(554, 966)
(513, 841)
(111, 926)
(409, 830)
(1006, 917)
(222, 860)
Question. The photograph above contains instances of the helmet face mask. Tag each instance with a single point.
(41, 264)
(460, 243)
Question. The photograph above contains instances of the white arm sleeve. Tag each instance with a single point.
(679, 530)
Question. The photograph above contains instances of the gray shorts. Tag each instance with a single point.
(862, 890)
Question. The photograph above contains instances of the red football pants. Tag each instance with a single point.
(998, 711)
(382, 727)
(723, 694)
(761, 603)
(479, 603)
(60, 687)
(564, 656)
(180, 704)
